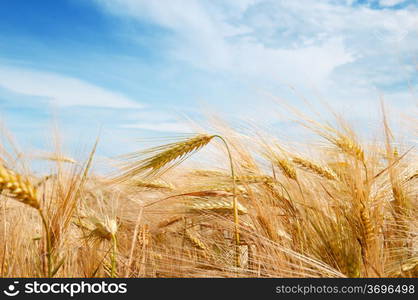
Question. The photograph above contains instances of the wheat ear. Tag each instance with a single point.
(155, 184)
(159, 159)
(59, 158)
(287, 168)
(218, 205)
(315, 168)
(196, 241)
(349, 146)
(249, 179)
(103, 229)
(21, 189)
(18, 187)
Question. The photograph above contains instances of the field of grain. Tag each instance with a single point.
(336, 207)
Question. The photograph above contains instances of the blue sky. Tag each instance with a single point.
(139, 68)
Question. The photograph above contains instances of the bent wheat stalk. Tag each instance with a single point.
(234, 202)
(162, 158)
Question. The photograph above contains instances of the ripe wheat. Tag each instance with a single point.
(18, 187)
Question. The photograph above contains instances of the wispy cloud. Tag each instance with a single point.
(228, 37)
(390, 2)
(169, 127)
(346, 52)
(301, 43)
(61, 90)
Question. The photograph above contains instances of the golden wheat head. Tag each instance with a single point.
(196, 241)
(99, 229)
(350, 147)
(18, 187)
(218, 205)
(315, 168)
(287, 168)
(161, 158)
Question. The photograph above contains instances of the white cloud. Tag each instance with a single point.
(310, 64)
(176, 127)
(207, 38)
(302, 42)
(346, 54)
(61, 90)
(388, 3)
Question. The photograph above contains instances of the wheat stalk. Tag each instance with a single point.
(162, 158)
(315, 168)
(412, 177)
(109, 270)
(206, 193)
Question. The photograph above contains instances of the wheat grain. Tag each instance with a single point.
(98, 228)
(161, 158)
(195, 240)
(369, 235)
(59, 158)
(349, 146)
(248, 179)
(208, 173)
(108, 269)
(315, 168)
(218, 205)
(286, 168)
(18, 187)
(155, 184)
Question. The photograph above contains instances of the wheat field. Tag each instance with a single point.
(340, 206)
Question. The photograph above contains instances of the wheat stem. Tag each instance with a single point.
(234, 201)
(48, 243)
(113, 256)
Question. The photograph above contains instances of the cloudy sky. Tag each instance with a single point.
(138, 67)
